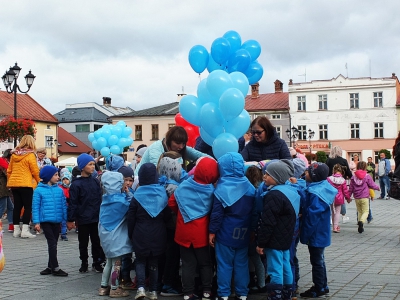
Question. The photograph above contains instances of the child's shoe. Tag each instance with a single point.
(84, 267)
(118, 293)
(360, 227)
(128, 284)
(345, 219)
(59, 272)
(98, 268)
(169, 291)
(336, 229)
(151, 295)
(191, 297)
(206, 296)
(64, 238)
(312, 293)
(10, 227)
(104, 291)
(46, 271)
(140, 294)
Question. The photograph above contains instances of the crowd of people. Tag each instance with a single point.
(187, 223)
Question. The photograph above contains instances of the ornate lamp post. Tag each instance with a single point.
(11, 85)
(292, 134)
(311, 134)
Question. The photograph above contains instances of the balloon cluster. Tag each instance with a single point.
(191, 130)
(218, 108)
(111, 138)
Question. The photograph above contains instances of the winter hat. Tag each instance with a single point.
(293, 152)
(206, 171)
(126, 172)
(3, 163)
(63, 171)
(114, 162)
(47, 172)
(66, 175)
(83, 160)
(299, 167)
(280, 170)
(318, 171)
(141, 151)
(148, 174)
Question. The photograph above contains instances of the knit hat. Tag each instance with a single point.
(148, 174)
(141, 151)
(83, 160)
(47, 172)
(206, 171)
(318, 171)
(280, 170)
(114, 162)
(299, 167)
(293, 152)
(126, 172)
(66, 175)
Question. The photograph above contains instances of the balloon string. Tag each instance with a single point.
(199, 77)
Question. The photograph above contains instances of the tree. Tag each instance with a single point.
(11, 128)
(387, 153)
(321, 156)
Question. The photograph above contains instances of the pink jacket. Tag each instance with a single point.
(339, 183)
(360, 184)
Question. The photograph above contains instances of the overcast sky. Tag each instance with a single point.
(136, 52)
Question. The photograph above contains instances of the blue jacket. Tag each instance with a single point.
(85, 197)
(274, 148)
(49, 204)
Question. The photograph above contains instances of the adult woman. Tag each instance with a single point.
(396, 155)
(265, 143)
(23, 176)
(42, 160)
(353, 164)
(175, 140)
(335, 157)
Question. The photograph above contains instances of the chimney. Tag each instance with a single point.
(255, 91)
(394, 76)
(180, 96)
(278, 86)
(290, 81)
(106, 101)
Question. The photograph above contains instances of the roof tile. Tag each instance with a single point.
(271, 101)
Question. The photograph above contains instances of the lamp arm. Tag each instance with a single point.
(22, 91)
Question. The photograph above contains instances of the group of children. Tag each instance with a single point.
(217, 206)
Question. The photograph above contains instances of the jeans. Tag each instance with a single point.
(86, 231)
(172, 261)
(278, 262)
(294, 261)
(384, 182)
(51, 231)
(112, 269)
(317, 260)
(126, 267)
(140, 264)
(343, 209)
(22, 199)
(6, 202)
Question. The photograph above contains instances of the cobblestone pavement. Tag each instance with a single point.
(360, 266)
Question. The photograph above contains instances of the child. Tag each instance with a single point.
(64, 185)
(49, 209)
(5, 194)
(278, 222)
(360, 184)
(148, 213)
(192, 201)
(85, 200)
(339, 183)
(315, 225)
(113, 227)
(230, 225)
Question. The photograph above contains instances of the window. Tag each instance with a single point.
(275, 116)
(376, 157)
(170, 125)
(354, 100)
(154, 131)
(323, 102)
(138, 132)
(378, 102)
(279, 130)
(97, 126)
(323, 132)
(48, 126)
(71, 144)
(82, 128)
(355, 131)
(301, 103)
(302, 132)
(49, 141)
(378, 129)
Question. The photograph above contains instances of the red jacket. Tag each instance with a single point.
(65, 190)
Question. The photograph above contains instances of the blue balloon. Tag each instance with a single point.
(97, 133)
(203, 94)
(117, 130)
(212, 120)
(101, 142)
(253, 47)
(106, 133)
(198, 58)
(91, 137)
(115, 149)
(240, 82)
(129, 141)
(254, 72)
(190, 107)
(126, 131)
(218, 82)
(212, 65)
(239, 125)
(113, 140)
(239, 61)
(122, 143)
(220, 50)
(234, 40)
(224, 143)
(121, 124)
(105, 151)
(206, 137)
(231, 103)
(95, 146)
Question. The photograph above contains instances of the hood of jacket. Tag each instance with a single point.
(231, 165)
(206, 171)
(112, 182)
(114, 162)
(19, 154)
(359, 177)
(336, 179)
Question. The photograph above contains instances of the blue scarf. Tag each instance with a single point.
(291, 193)
(194, 199)
(163, 180)
(152, 198)
(230, 189)
(323, 190)
(113, 209)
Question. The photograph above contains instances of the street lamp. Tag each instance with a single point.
(311, 134)
(11, 76)
(51, 140)
(292, 134)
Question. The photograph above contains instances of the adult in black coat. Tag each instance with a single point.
(335, 157)
(265, 144)
(396, 156)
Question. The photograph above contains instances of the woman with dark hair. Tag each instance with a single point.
(396, 156)
(265, 144)
(175, 140)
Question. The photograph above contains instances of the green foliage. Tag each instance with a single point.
(321, 156)
(387, 153)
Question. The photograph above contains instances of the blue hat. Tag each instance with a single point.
(47, 172)
(83, 160)
(318, 171)
(148, 174)
(126, 172)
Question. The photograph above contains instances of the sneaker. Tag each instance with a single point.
(369, 221)
(76, 230)
(206, 296)
(327, 290)
(64, 238)
(98, 268)
(345, 219)
(118, 293)
(151, 295)
(336, 229)
(104, 291)
(46, 271)
(240, 297)
(387, 198)
(128, 284)
(312, 293)
(140, 294)
(380, 198)
(360, 227)
(169, 291)
(191, 297)
(59, 273)
(84, 268)
(38, 232)
(11, 228)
